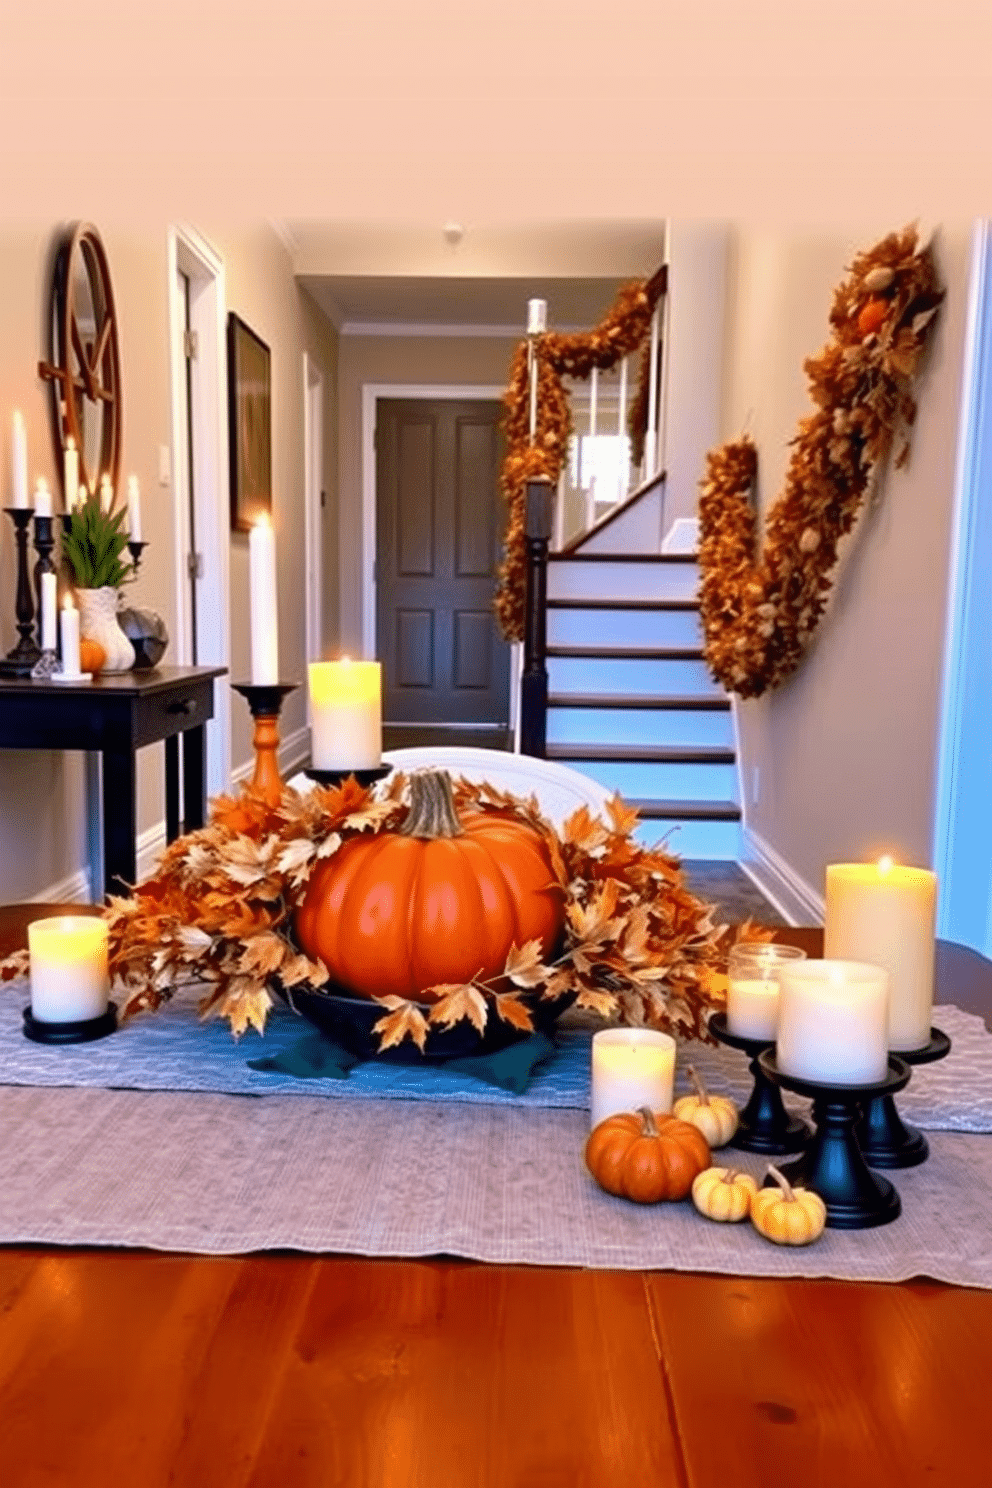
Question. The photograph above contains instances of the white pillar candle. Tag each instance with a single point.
(49, 609)
(264, 604)
(537, 317)
(833, 1022)
(42, 498)
(631, 1067)
(106, 494)
(19, 460)
(69, 630)
(133, 508)
(346, 714)
(886, 914)
(70, 981)
(752, 987)
(70, 462)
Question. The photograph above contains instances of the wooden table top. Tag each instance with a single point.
(286, 1371)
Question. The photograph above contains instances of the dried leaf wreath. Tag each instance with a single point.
(621, 332)
(637, 946)
(759, 614)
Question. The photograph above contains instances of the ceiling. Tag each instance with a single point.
(356, 300)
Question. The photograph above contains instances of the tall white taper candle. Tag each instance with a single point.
(264, 604)
(19, 460)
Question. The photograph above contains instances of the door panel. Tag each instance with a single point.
(438, 535)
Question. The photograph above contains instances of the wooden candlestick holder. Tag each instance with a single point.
(265, 704)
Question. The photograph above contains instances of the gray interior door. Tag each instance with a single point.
(438, 536)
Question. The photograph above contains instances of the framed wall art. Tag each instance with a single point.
(249, 403)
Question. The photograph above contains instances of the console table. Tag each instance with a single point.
(115, 716)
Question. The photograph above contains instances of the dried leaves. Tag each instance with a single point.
(759, 615)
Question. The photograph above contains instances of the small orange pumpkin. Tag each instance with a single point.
(440, 900)
(91, 655)
(646, 1156)
(872, 315)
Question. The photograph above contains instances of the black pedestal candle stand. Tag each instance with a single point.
(338, 777)
(21, 659)
(136, 549)
(832, 1165)
(884, 1138)
(765, 1125)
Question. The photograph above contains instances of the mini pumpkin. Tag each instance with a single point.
(439, 901)
(724, 1194)
(715, 1115)
(787, 1215)
(91, 655)
(872, 315)
(647, 1156)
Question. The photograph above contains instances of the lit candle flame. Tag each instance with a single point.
(885, 865)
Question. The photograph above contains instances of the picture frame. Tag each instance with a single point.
(249, 411)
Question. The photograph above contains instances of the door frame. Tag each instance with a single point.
(189, 252)
(445, 392)
(313, 456)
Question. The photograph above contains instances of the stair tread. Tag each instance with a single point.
(660, 754)
(629, 653)
(686, 810)
(696, 702)
(623, 604)
(566, 557)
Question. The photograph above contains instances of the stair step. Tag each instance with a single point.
(718, 703)
(687, 810)
(674, 729)
(654, 576)
(667, 754)
(579, 557)
(623, 604)
(629, 653)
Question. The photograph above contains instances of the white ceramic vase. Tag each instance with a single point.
(98, 622)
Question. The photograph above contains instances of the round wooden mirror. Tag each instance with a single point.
(85, 365)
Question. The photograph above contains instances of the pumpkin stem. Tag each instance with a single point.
(783, 1183)
(698, 1086)
(650, 1125)
(432, 807)
(730, 1175)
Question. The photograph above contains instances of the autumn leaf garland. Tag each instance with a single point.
(637, 946)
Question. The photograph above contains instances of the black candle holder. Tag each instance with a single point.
(136, 548)
(21, 659)
(338, 777)
(44, 543)
(764, 1124)
(886, 1141)
(82, 1032)
(833, 1165)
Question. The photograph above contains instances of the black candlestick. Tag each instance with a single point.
(832, 1165)
(21, 659)
(44, 543)
(136, 548)
(765, 1125)
(884, 1138)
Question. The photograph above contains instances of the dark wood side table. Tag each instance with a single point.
(115, 716)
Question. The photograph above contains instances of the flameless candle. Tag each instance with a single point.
(752, 989)
(133, 508)
(42, 498)
(631, 1067)
(71, 474)
(264, 604)
(346, 714)
(70, 982)
(69, 630)
(49, 604)
(886, 914)
(833, 1022)
(19, 460)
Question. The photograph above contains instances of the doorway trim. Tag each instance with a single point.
(190, 253)
(313, 447)
(371, 393)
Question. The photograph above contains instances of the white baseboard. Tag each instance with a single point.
(294, 751)
(75, 889)
(791, 895)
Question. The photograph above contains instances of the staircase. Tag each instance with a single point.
(630, 701)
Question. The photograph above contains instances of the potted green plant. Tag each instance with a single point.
(92, 547)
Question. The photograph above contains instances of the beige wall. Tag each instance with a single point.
(42, 799)
(846, 748)
(414, 360)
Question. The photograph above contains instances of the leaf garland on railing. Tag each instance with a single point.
(638, 946)
(759, 614)
(621, 332)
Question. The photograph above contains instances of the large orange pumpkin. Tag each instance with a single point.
(440, 900)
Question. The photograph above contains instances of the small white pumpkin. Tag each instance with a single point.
(724, 1194)
(714, 1115)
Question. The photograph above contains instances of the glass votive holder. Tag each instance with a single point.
(631, 1067)
(753, 971)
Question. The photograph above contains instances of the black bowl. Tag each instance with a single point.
(349, 1020)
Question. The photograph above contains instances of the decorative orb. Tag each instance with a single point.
(147, 633)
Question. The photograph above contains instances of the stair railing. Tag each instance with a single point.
(538, 521)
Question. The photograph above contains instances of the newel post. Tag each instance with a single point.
(539, 512)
